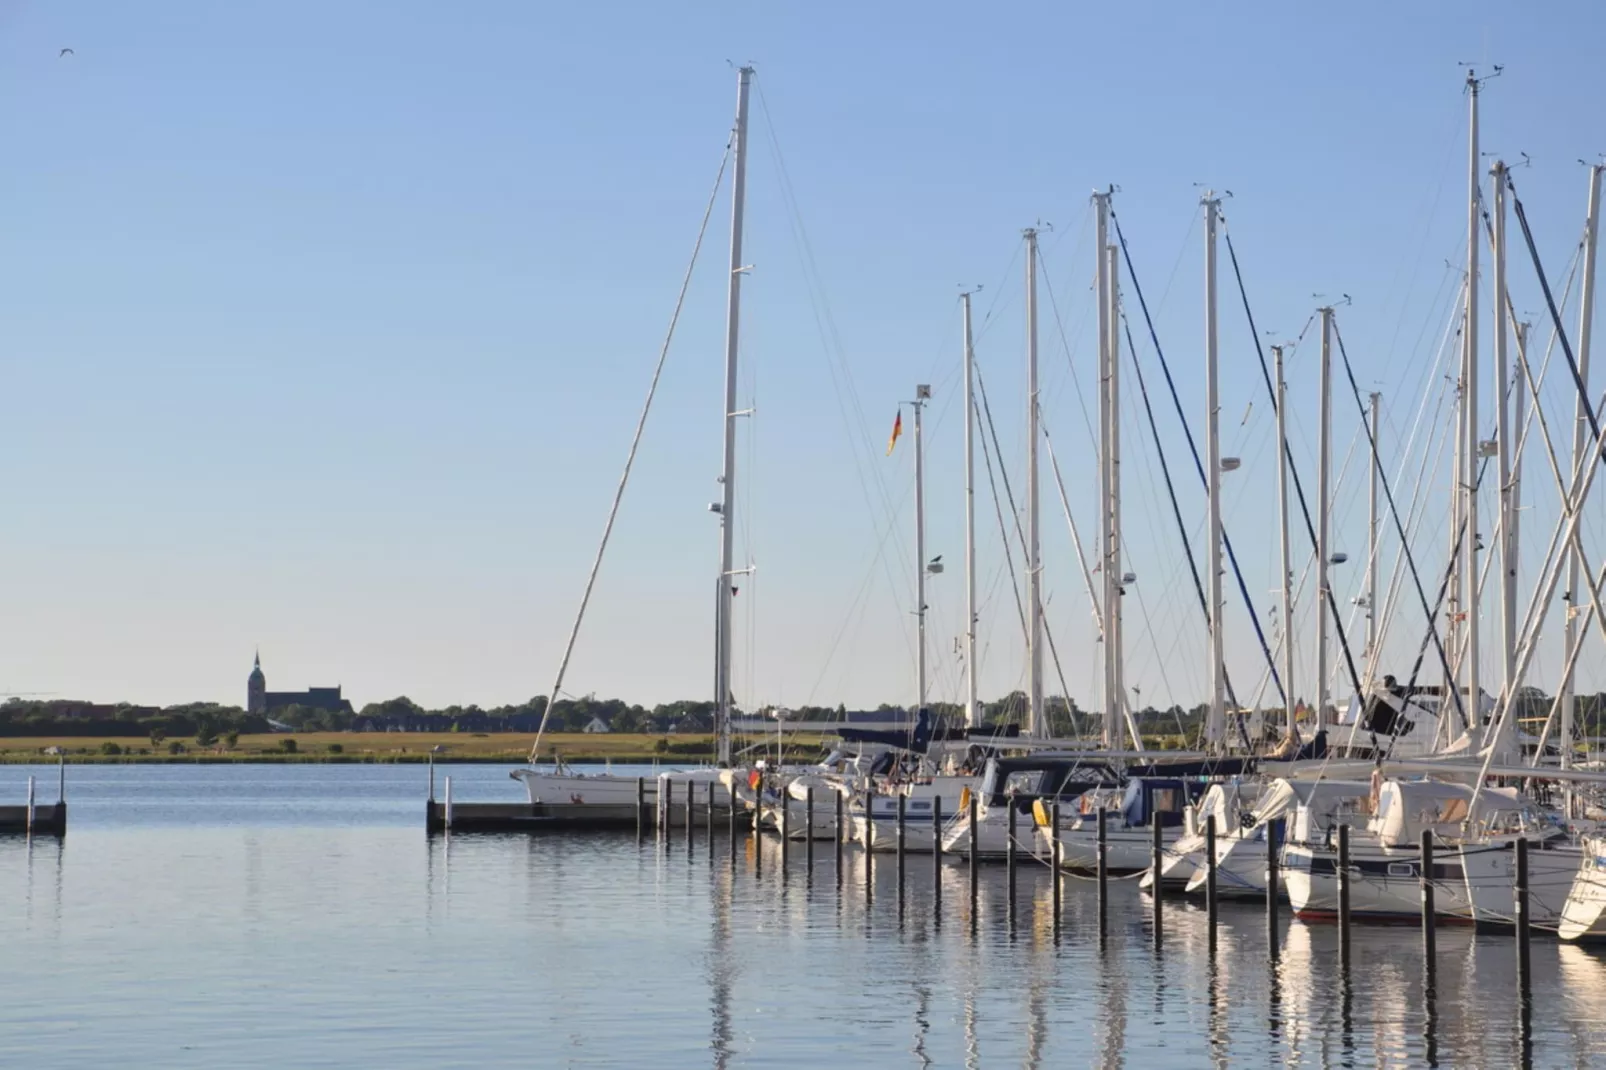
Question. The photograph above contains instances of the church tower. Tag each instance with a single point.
(256, 689)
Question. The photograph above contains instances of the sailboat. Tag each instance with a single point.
(560, 784)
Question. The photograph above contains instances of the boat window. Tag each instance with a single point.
(1023, 783)
(1167, 800)
(1452, 810)
(1401, 869)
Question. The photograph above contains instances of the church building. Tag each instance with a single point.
(258, 699)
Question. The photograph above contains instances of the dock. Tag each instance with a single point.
(34, 818)
(446, 814)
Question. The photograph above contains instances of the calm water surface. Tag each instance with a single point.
(297, 916)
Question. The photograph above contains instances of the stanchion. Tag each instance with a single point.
(1156, 858)
(1523, 961)
(1343, 895)
(1210, 875)
(1430, 938)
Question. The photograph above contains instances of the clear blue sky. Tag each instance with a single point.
(326, 325)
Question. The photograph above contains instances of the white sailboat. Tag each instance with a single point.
(559, 784)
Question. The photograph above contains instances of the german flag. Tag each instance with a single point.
(897, 429)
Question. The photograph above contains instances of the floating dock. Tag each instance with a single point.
(442, 815)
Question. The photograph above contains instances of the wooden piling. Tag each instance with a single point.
(1429, 917)
(691, 817)
(447, 818)
(1343, 895)
(936, 855)
(975, 869)
(903, 801)
(1210, 875)
(1055, 857)
(841, 832)
(808, 815)
(30, 805)
(1156, 859)
(1272, 881)
(431, 778)
(1523, 961)
(641, 803)
(1009, 859)
(786, 826)
(666, 807)
(709, 827)
(1103, 866)
(869, 839)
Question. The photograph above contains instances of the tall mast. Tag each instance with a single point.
(1586, 317)
(1503, 433)
(1290, 710)
(1034, 565)
(1469, 428)
(1324, 497)
(1101, 284)
(922, 392)
(972, 709)
(1371, 530)
(1114, 574)
(727, 479)
(1215, 726)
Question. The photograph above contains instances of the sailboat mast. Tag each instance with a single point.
(1324, 498)
(727, 529)
(1586, 317)
(1114, 629)
(1101, 276)
(1215, 726)
(922, 392)
(1291, 722)
(972, 709)
(1034, 564)
(1376, 418)
(1469, 428)
(1503, 433)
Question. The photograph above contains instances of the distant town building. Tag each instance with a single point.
(258, 699)
(596, 725)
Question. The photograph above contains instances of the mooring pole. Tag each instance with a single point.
(1157, 858)
(869, 850)
(936, 855)
(841, 831)
(902, 804)
(641, 801)
(1272, 880)
(30, 806)
(61, 780)
(1054, 859)
(1103, 868)
(448, 817)
(1429, 937)
(1523, 961)
(1343, 895)
(1210, 875)
(808, 814)
(786, 826)
(1009, 859)
(709, 827)
(975, 870)
(691, 816)
(666, 807)
(730, 820)
(431, 778)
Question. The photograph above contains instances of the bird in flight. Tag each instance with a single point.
(65, 53)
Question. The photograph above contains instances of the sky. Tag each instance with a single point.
(326, 327)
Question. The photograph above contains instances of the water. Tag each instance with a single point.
(297, 916)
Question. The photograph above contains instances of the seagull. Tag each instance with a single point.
(65, 53)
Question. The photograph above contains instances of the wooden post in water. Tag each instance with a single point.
(1210, 875)
(30, 806)
(936, 855)
(447, 818)
(1523, 961)
(758, 839)
(1343, 894)
(61, 782)
(1271, 883)
(808, 816)
(1054, 859)
(786, 825)
(975, 870)
(1430, 941)
(869, 845)
(691, 817)
(1156, 859)
(841, 831)
(641, 805)
(709, 827)
(431, 778)
(730, 819)
(666, 807)
(1009, 859)
(903, 801)
(1104, 867)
